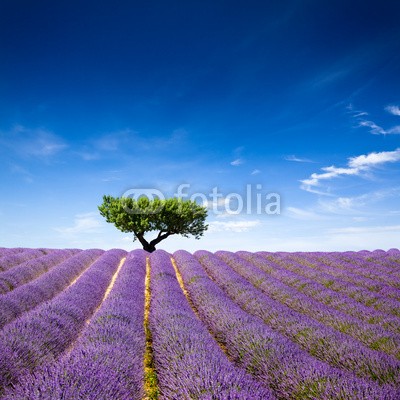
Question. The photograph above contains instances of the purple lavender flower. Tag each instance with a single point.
(106, 362)
(41, 335)
(45, 287)
(188, 360)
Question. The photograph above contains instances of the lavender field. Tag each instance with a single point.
(95, 324)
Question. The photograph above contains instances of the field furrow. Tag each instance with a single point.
(40, 336)
(105, 325)
(29, 296)
(106, 362)
(374, 267)
(290, 371)
(322, 342)
(11, 260)
(32, 269)
(292, 276)
(385, 285)
(370, 299)
(4, 251)
(371, 335)
(188, 361)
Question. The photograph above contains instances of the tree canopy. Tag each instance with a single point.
(167, 216)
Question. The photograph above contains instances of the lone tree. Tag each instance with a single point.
(169, 217)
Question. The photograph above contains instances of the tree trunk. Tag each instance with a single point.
(149, 247)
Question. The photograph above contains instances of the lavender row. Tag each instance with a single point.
(40, 336)
(107, 360)
(188, 361)
(340, 270)
(27, 297)
(9, 261)
(390, 259)
(381, 296)
(378, 302)
(348, 272)
(6, 251)
(31, 269)
(290, 371)
(371, 268)
(383, 264)
(318, 291)
(373, 336)
(322, 342)
(385, 286)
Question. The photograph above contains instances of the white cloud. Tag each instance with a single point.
(237, 162)
(392, 109)
(372, 159)
(297, 159)
(355, 166)
(330, 172)
(233, 226)
(83, 223)
(255, 172)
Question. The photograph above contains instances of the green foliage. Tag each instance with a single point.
(168, 217)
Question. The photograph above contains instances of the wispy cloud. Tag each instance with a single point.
(346, 205)
(26, 142)
(373, 127)
(19, 170)
(392, 109)
(238, 158)
(360, 114)
(219, 202)
(114, 140)
(378, 130)
(341, 205)
(255, 172)
(83, 223)
(299, 213)
(123, 142)
(222, 207)
(233, 226)
(297, 159)
(111, 179)
(367, 229)
(355, 166)
(106, 144)
(237, 162)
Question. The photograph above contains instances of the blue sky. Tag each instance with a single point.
(296, 98)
